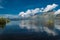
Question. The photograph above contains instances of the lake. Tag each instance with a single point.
(29, 30)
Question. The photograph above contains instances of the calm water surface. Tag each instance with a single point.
(23, 29)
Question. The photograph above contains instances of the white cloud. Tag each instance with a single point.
(21, 14)
(57, 12)
(28, 13)
(37, 10)
(41, 9)
(50, 7)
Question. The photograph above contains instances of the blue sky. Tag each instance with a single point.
(16, 6)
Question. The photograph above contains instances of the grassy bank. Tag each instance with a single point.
(3, 21)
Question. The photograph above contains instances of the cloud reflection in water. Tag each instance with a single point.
(36, 26)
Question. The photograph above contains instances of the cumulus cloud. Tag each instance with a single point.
(37, 10)
(41, 9)
(28, 13)
(50, 7)
(25, 14)
(21, 14)
(57, 12)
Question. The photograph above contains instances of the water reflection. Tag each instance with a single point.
(2, 27)
(37, 26)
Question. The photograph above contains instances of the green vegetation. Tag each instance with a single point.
(50, 23)
(3, 21)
